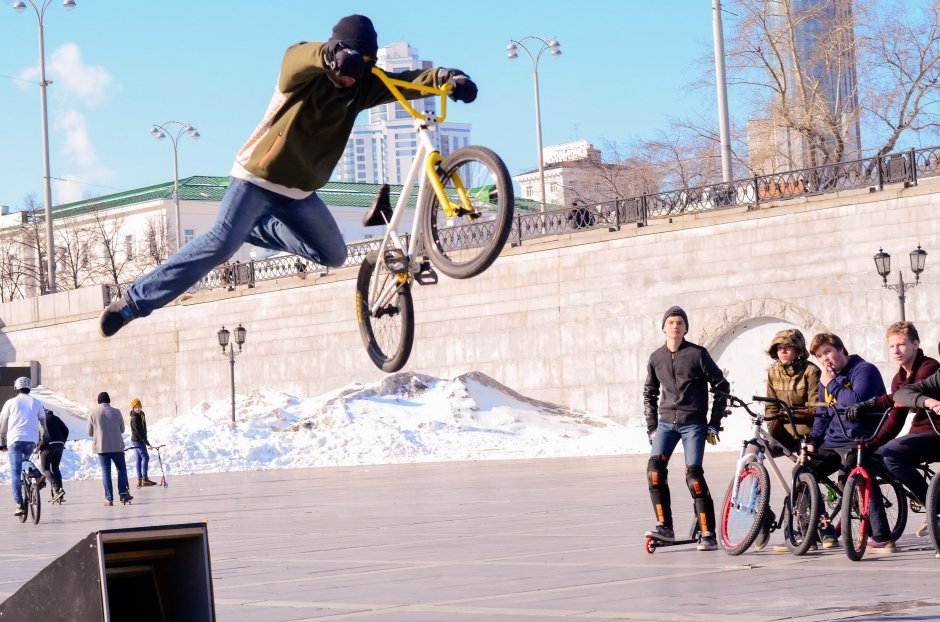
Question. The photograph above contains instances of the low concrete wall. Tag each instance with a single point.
(570, 319)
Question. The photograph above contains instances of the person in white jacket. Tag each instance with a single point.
(21, 428)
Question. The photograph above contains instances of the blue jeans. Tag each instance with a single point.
(692, 436)
(105, 460)
(143, 459)
(248, 213)
(19, 451)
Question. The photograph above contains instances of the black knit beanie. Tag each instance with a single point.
(104, 398)
(357, 32)
(671, 311)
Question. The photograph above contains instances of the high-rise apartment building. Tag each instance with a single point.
(382, 150)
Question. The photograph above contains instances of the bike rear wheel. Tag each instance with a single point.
(465, 245)
(855, 517)
(933, 513)
(895, 503)
(35, 502)
(802, 519)
(741, 521)
(24, 491)
(389, 332)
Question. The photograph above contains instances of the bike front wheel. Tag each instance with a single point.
(933, 513)
(385, 313)
(895, 504)
(477, 184)
(855, 517)
(802, 519)
(35, 502)
(741, 518)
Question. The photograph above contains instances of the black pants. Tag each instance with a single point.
(49, 459)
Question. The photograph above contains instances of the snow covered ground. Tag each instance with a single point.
(406, 417)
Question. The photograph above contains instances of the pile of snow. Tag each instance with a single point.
(406, 417)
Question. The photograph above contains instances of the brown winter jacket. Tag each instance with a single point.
(795, 384)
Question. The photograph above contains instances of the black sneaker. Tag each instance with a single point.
(114, 317)
(708, 542)
(126, 498)
(661, 532)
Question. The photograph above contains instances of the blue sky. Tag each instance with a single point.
(119, 66)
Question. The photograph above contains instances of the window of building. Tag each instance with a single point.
(188, 235)
(129, 246)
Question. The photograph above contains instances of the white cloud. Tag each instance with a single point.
(82, 185)
(78, 145)
(65, 68)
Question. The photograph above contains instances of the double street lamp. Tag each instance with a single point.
(40, 7)
(883, 266)
(224, 337)
(163, 131)
(512, 51)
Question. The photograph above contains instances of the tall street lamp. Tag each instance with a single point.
(512, 51)
(19, 6)
(883, 265)
(163, 131)
(224, 334)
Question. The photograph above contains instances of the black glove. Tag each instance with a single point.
(344, 60)
(853, 411)
(463, 88)
(651, 433)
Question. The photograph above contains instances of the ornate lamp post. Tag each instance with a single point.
(512, 51)
(163, 131)
(40, 8)
(224, 335)
(883, 266)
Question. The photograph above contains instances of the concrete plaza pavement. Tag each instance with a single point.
(507, 540)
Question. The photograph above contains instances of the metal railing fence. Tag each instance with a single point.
(874, 172)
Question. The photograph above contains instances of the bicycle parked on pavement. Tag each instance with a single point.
(856, 508)
(462, 219)
(746, 518)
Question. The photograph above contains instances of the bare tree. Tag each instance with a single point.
(900, 89)
(824, 76)
(155, 240)
(115, 264)
(13, 278)
(31, 236)
(76, 264)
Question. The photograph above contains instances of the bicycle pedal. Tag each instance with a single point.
(395, 261)
(426, 274)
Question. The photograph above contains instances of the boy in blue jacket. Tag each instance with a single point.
(844, 380)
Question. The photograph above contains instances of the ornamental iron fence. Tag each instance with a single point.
(874, 172)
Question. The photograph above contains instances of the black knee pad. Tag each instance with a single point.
(695, 479)
(656, 472)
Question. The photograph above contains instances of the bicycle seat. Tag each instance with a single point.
(381, 211)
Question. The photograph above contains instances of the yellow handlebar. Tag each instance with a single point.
(395, 86)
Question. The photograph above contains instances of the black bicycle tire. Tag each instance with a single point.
(933, 513)
(24, 492)
(805, 488)
(895, 507)
(763, 502)
(386, 361)
(855, 525)
(35, 502)
(503, 220)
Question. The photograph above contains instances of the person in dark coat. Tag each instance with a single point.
(676, 404)
(140, 442)
(50, 453)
